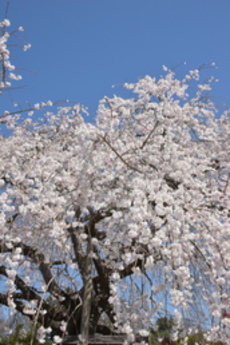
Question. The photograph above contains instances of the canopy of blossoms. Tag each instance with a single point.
(147, 186)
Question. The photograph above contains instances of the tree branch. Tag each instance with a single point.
(149, 135)
(119, 156)
(39, 259)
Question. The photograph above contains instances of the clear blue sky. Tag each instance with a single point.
(80, 48)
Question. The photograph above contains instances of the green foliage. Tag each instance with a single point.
(165, 324)
(164, 327)
(20, 338)
(198, 338)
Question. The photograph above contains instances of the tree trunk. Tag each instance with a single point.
(87, 295)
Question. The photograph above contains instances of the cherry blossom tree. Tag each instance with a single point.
(134, 207)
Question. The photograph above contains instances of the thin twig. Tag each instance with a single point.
(198, 249)
(7, 9)
(149, 135)
(119, 156)
(226, 185)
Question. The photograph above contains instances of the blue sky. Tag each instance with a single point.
(80, 48)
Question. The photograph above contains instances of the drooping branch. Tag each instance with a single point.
(39, 259)
(51, 318)
(28, 293)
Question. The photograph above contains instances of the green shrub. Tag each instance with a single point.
(20, 338)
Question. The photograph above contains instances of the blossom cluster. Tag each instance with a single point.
(7, 73)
